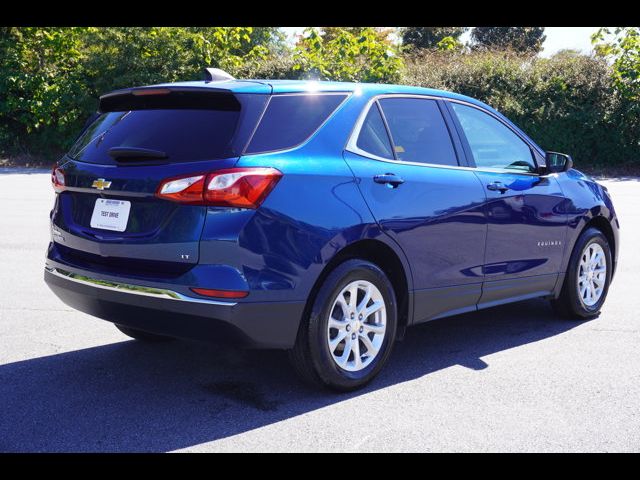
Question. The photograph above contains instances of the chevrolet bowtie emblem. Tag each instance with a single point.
(101, 184)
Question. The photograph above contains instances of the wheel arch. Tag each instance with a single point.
(600, 223)
(382, 255)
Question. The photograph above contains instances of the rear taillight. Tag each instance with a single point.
(57, 179)
(240, 187)
(234, 187)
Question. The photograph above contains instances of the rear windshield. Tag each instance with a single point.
(291, 119)
(183, 134)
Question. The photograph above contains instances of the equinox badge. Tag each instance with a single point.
(101, 184)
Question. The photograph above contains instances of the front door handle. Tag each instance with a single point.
(497, 187)
(390, 179)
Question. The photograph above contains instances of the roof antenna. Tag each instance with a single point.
(216, 75)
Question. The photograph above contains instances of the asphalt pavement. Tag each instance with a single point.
(514, 378)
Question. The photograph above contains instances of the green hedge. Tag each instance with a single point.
(566, 103)
(51, 77)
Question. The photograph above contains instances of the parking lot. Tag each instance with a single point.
(514, 378)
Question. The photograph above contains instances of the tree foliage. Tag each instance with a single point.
(125, 56)
(432, 37)
(273, 38)
(567, 103)
(39, 83)
(519, 39)
(348, 55)
(51, 77)
(382, 34)
(622, 45)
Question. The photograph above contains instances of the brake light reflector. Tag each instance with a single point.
(184, 190)
(57, 179)
(209, 292)
(240, 187)
(234, 187)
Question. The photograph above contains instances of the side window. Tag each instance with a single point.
(373, 136)
(418, 131)
(291, 119)
(493, 144)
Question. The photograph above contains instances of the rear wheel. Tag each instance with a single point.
(587, 279)
(142, 335)
(348, 335)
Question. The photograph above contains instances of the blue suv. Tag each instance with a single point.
(318, 217)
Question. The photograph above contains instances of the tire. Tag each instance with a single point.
(312, 357)
(142, 335)
(571, 303)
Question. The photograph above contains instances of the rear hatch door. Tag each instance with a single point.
(108, 216)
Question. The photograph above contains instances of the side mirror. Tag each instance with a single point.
(558, 162)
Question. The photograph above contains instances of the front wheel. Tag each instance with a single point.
(349, 333)
(587, 278)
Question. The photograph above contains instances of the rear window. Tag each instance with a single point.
(183, 134)
(291, 119)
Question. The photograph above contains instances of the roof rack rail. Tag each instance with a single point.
(216, 75)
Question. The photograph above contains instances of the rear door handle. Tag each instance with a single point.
(390, 179)
(497, 187)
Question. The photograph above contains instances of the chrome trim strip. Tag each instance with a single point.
(132, 289)
(353, 138)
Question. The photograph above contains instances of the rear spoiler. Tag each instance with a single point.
(168, 97)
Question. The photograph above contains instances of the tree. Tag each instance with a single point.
(51, 77)
(382, 34)
(272, 38)
(39, 84)
(430, 37)
(622, 45)
(118, 57)
(347, 55)
(519, 39)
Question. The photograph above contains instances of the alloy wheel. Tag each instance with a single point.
(592, 274)
(357, 325)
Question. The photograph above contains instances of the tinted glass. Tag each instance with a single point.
(290, 119)
(492, 143)
(418, 131)
(373, 136)
(184, 135)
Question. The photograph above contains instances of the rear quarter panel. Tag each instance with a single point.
(315, 210)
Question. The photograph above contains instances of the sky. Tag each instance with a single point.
(558, 38)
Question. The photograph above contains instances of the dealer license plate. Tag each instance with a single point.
(110, 214)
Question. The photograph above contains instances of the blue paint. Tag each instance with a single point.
(446, 228)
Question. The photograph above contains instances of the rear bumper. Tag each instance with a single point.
(165, 312)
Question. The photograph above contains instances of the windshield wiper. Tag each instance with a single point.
(135, 153)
